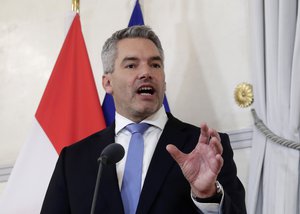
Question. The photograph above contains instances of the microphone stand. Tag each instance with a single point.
(111, 154)
(102, 161)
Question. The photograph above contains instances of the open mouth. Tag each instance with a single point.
(146, 90)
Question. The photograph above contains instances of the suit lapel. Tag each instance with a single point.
(161, 163)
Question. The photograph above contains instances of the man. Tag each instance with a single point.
(202, 179)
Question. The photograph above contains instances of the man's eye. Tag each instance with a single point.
(130, 66)
(156, 65)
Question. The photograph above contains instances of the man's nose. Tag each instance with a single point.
(145, 72)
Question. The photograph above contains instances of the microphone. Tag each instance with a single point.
(111, 154)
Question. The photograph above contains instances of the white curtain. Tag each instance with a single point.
(274, 169)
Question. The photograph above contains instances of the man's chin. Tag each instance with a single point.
(146, 111)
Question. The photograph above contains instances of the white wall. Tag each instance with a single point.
(206, 45)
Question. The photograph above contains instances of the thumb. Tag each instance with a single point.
(177, 155)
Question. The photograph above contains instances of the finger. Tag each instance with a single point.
(215, 141)
(213, 132)
(204, 135)
(216, 145)
(220, 162)
(177, 155)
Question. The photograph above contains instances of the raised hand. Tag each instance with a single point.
(201, 166)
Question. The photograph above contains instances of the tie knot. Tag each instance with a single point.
(137, 127)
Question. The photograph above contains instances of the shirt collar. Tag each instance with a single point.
(158, 119)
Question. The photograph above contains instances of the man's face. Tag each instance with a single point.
(137, 83)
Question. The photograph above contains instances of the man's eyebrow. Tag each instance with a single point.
(156, 58)
(130, 58)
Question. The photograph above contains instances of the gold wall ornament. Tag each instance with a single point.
(75, 6)
(243, 95)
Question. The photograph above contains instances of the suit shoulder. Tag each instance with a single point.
(175, 122)
(99, 137)
(190, 127)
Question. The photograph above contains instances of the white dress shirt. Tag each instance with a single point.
(151, 137)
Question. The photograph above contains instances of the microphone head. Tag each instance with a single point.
(112, 154)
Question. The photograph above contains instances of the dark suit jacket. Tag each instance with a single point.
(165, 189)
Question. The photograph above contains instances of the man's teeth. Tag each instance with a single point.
(146, 90)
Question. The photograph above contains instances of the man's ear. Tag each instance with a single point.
(106, 83)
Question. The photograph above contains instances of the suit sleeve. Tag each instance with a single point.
(234, 192)
(56, 199)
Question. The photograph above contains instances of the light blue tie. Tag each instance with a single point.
(132, 178)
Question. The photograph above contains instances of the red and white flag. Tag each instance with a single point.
(69, 111)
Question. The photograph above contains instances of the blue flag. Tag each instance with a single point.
(108, 105)
(136, 16)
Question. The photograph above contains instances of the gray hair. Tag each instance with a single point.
(109, 50)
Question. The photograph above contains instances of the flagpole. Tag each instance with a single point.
(75, 6)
